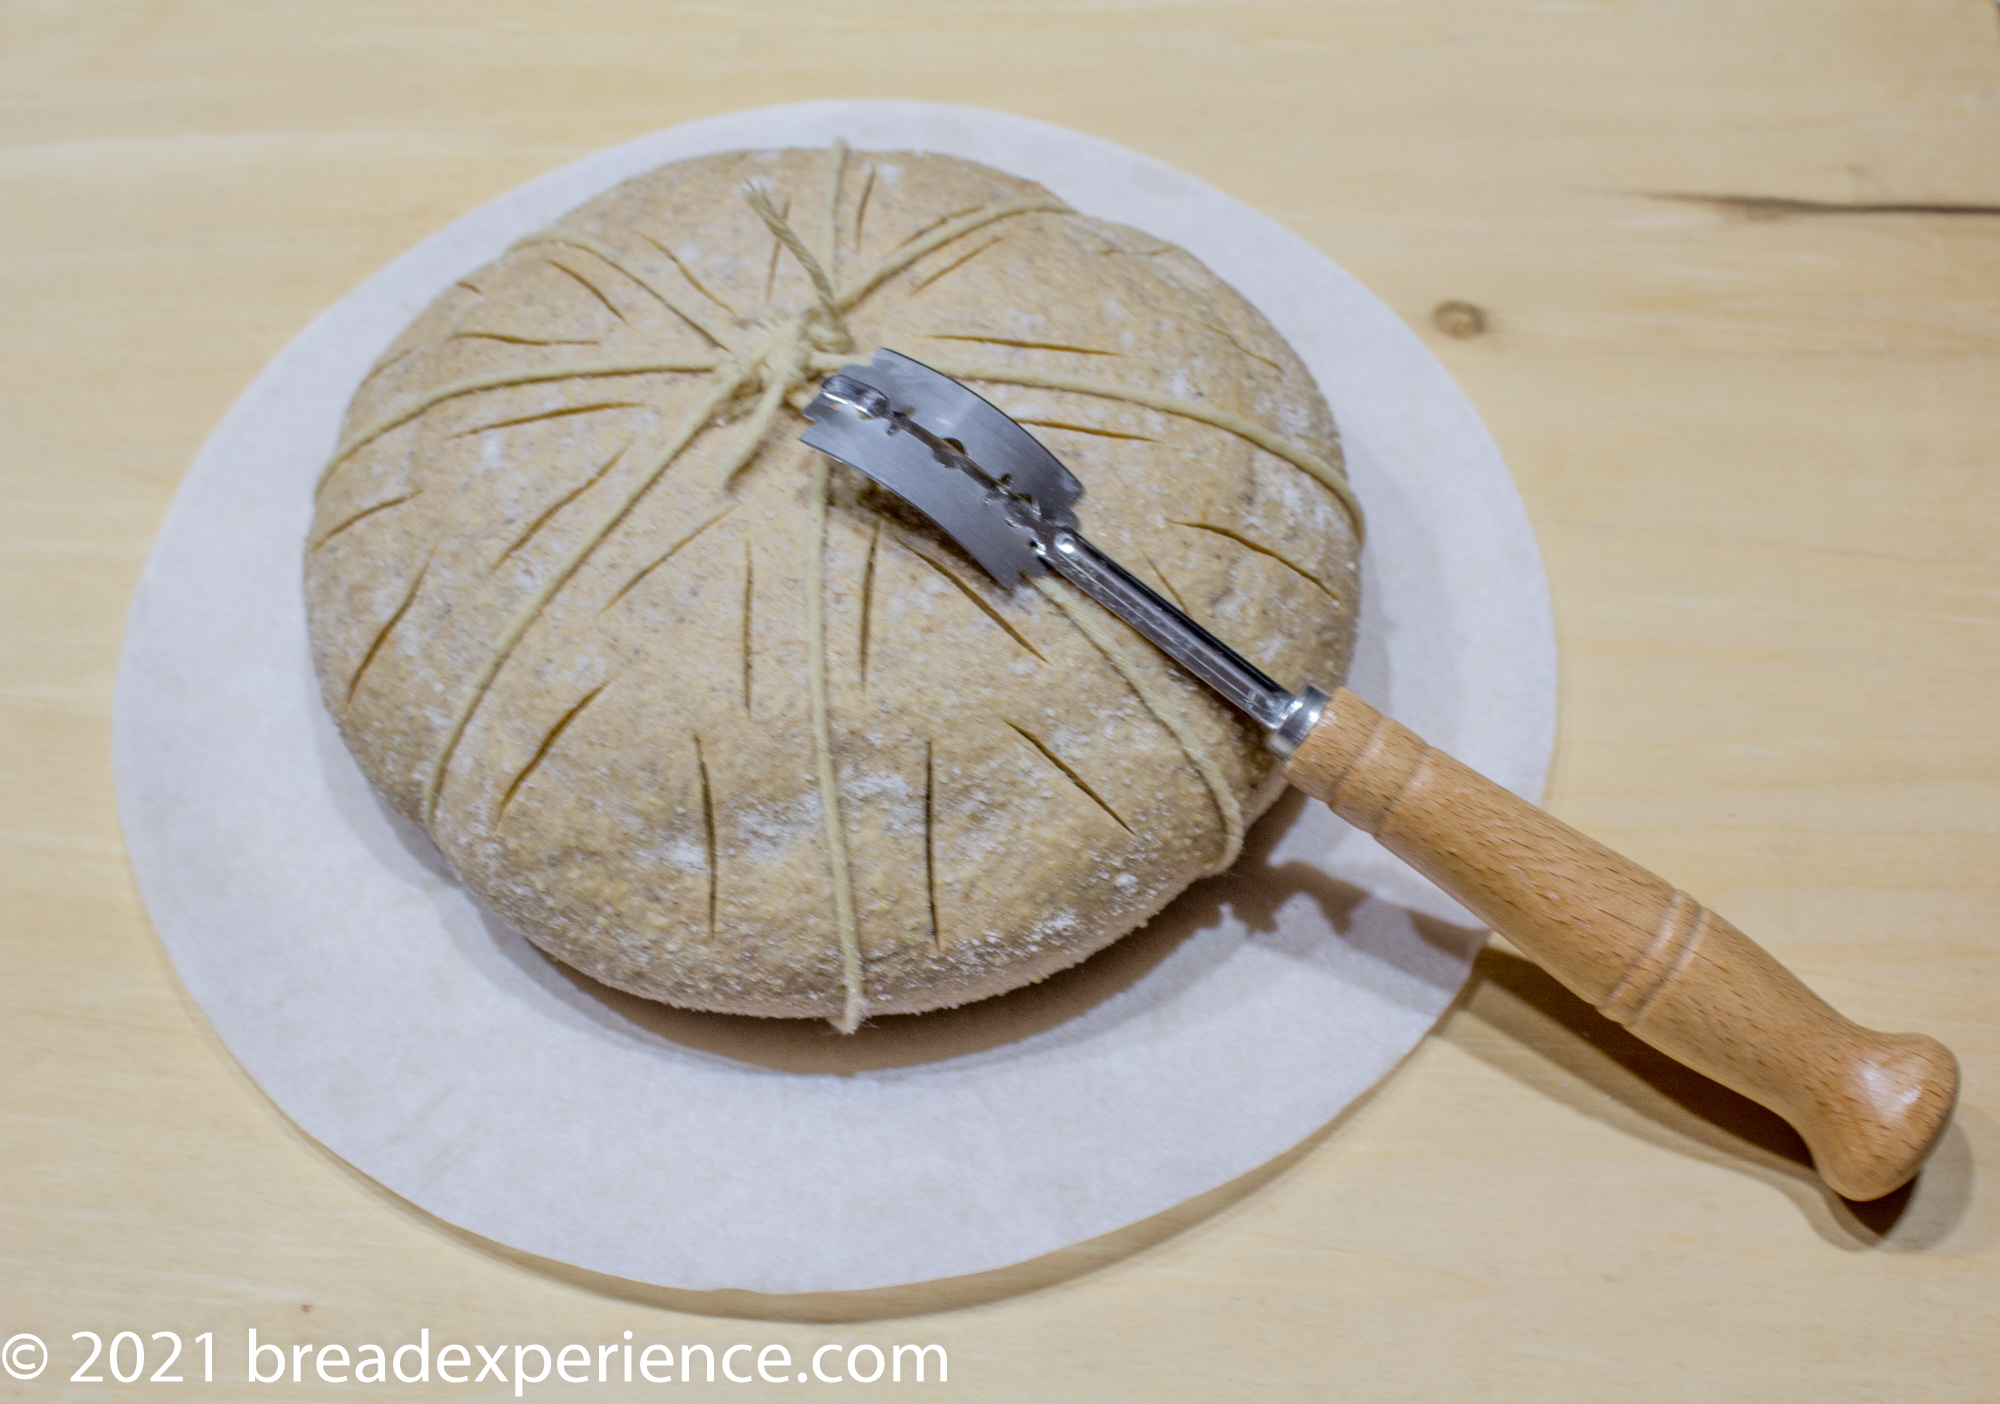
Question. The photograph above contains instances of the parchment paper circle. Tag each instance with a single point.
(431, 1047)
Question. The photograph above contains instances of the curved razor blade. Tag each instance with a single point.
(997, 485)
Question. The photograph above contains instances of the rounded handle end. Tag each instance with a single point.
(1881, 1113)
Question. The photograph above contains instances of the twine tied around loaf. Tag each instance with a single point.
(752, 376)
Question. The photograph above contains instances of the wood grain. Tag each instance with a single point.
(1871, 1106)
(1757, 446)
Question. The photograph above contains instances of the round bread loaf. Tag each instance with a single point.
(722, 724)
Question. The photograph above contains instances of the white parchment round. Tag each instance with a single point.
(433, 1048)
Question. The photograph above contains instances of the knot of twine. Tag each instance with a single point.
(789, 351)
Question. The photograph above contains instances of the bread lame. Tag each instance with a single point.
(1870, 1105)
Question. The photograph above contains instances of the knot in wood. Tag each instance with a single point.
(1461, 321)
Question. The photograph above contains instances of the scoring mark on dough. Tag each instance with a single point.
(861, 210)
(688, 273)
(868, 599)
(955, 264)
(1088, 621)
(512, 339)
(930, 843)
(1248, 544)
(1017, 343)
(1231, 338)
(707, 828)
(541, 752)
(540, 415)
(561, 502)
(940, 222)
(589, 287)
(354, 684)
(668, 555)
(395, 360)
(363, 514)
(1086, 429)
(777, 247)
(980, 601)
(1154, 565)
(1042, 747)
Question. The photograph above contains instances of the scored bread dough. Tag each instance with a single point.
(721, 723)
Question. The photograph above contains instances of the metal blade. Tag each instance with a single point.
(996, 473)
(981, 431)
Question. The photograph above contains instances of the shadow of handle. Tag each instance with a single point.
(1869, 1105)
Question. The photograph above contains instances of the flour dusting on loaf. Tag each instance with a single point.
(724, 725)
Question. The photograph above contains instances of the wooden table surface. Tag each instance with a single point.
(1739, 266)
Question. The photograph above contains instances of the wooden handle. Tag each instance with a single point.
(1870, 1105)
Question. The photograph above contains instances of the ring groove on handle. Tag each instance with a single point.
(1681, 928)
(1384, 769)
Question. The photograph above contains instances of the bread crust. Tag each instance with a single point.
(582, 659)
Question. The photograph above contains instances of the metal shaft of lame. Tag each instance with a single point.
(1239, 681)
